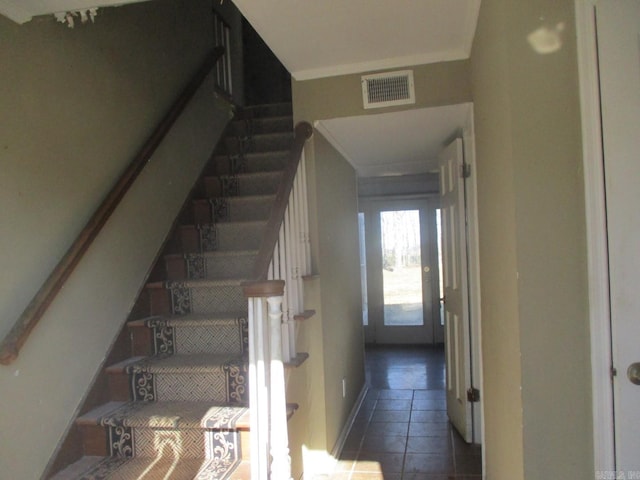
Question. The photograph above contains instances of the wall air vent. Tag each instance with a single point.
(388, 89)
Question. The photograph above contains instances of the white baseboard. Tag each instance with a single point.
(329, 460)
(337, 449)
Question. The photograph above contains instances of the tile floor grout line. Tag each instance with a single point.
(419, 402)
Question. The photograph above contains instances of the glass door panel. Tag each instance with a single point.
(401, 268)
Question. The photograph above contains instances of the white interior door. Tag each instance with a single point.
(618, 26)
(456, 294)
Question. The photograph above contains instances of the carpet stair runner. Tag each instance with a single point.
(178, 407)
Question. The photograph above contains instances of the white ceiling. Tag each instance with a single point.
(334, 37)
(397, 143)
(321, 38)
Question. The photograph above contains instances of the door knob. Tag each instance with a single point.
(426, 269)
(633, 372)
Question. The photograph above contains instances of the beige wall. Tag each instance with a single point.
(436, 85)
(305, 386)
(334, 335)
(335, 251)
(496, 219)
(340, 295)
(75, 105)
(532, 245)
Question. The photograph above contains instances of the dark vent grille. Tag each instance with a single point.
(382, 90)
(388, 89)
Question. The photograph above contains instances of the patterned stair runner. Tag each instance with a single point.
(179, 409)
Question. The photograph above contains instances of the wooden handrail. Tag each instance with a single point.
(17, 336)
(303, 132)
(265, 289)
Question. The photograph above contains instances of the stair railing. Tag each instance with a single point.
(284, 258)
(24, 325)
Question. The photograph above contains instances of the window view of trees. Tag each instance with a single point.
(402, 267)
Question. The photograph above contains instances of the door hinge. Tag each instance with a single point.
(614, 371)
(465, 170)
(473, 395)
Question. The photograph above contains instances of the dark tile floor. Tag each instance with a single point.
(402, 431)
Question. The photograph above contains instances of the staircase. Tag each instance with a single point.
(178, 407)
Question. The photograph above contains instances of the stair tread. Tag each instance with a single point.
(207, 282)
(276, 134)
(298, 360)
(272, 117)
(267, 153)
(215, 253)
(240, 198)
(79, 468)
(270, 173)
(227, 224)
(169, 415)
(276, 123)
(263, 106)
(192, 319)
(188, 363)
(195, 283)
(307, 314)
(156, 468)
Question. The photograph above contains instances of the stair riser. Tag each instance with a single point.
(258, 143)
(95, 440)
(179, 301)
(197, 266)
(272, 110)
(228, 385)
(239, 266)
(258, 126)
(217, 299)
(241, 185)
(221, 237)
(147, 442)
(234, 209)
(223, 339)
(142, 340)
(251, 163)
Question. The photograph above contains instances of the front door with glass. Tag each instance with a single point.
(402, 272)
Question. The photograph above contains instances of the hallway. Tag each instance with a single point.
(402, 431)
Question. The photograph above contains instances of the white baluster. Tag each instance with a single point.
(292, 294)
(300, 261)
(284, 267)
(305, 212)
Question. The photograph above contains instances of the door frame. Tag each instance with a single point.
(596, 230)
(372, 206)
(473, 273)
